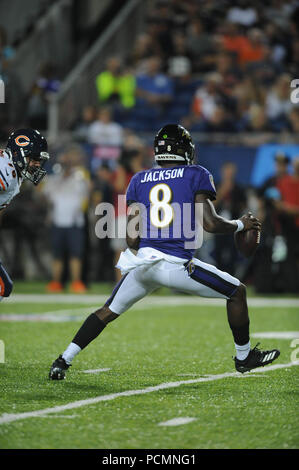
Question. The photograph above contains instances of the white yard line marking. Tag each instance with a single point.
(276, 335)
(66, 311)
(8, 418)
(177, 300)
(53, 316)
(177, 421)
(39, 317)
(59, 416)
(95, 371)
(190, 375)
(57, 299)
(78, 314)
(147, 302)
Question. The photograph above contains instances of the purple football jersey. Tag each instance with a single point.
(167, 197)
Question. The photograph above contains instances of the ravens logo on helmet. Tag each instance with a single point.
(174, 143)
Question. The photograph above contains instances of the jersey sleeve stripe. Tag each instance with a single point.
(2, 185)
(3, 178)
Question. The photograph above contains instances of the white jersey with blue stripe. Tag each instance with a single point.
(9, 181)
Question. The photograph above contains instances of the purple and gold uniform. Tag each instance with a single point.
(165, 194)
(166, 249)
(165, 261)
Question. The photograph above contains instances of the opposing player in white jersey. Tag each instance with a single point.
(23, 158)
(162, 193)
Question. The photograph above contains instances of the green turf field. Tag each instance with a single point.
(145, 348)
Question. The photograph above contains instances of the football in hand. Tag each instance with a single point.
(247, 241)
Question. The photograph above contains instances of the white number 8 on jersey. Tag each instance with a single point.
(161, 212)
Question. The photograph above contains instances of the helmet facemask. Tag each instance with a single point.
(31, 172)
(26, 146)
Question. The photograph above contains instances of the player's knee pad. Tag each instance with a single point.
(6, 283)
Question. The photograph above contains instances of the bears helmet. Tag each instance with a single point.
(25, 146)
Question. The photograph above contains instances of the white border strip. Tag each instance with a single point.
(9, 418)
(276, 335)
(147, 302)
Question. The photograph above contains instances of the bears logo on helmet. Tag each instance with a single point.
(22, 140)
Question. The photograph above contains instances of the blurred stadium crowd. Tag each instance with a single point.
(213, 66)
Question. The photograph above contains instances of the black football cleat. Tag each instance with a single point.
(58, 368)
(256, 358)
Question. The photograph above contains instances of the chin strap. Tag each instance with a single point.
(8, 151)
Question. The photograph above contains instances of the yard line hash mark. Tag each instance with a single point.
(9, 418)
(95, 371)
(177, 421)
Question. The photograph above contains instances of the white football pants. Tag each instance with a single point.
(197, 278)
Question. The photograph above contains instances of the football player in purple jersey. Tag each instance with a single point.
(161, 253)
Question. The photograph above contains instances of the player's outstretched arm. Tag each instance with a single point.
(214, 223)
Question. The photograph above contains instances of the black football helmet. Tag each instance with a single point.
(174, 143)
(25, 146)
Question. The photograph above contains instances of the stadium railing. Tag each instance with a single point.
(78, 89)
(49, 40)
